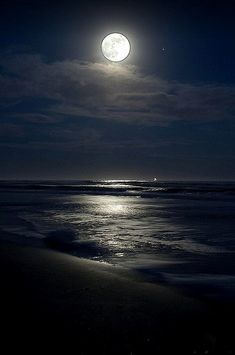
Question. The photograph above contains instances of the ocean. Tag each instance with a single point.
(177, 233)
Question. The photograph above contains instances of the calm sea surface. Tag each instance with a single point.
(178, 233)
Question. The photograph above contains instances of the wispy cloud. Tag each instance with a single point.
(109, 91)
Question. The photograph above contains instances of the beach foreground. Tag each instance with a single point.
(53, 301)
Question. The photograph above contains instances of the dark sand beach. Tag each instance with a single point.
(54, 301)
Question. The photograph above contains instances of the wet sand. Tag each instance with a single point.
(53, 301)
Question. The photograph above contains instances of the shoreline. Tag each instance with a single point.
(61, 300)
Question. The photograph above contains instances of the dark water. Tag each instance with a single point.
(174, 232)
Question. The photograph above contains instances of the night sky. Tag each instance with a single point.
(167, 111)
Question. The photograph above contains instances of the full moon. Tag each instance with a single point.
(115, 47)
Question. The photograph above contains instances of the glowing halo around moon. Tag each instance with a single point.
(115, 47)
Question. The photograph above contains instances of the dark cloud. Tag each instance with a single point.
(108, 91)
(8, 130)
